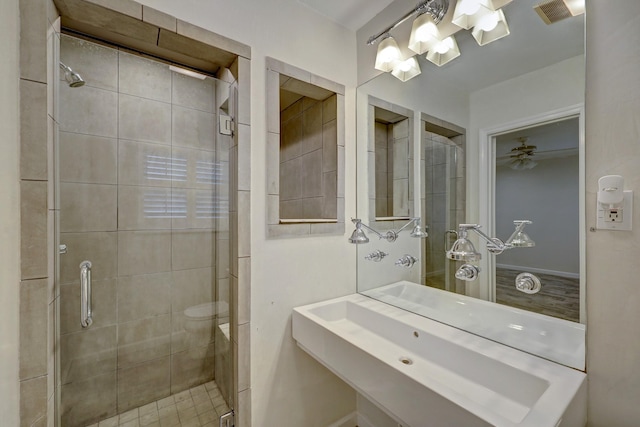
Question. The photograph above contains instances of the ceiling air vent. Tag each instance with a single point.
(553, 11)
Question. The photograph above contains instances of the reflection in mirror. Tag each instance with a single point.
(537, 177)
(442, 186)
(391, 127)
(499, 91)
(392, 164)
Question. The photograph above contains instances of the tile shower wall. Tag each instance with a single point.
(140, 198)
(308, 159)
(444, 201)
(392, 168)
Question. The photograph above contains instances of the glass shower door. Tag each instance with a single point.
(442, 162)
(143, 194)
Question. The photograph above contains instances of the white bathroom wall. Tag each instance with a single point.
(551, 88)
(547, 195)
(288, 387)
(9, 213)
(612, 134)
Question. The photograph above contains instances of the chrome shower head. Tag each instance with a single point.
(462, 249)
(74, 79)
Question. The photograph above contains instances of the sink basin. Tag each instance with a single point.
(555, 339)
(424, 373)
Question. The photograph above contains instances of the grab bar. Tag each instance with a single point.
(86, 313)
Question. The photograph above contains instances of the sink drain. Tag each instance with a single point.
(406, 361)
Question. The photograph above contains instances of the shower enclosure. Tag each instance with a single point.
(142, 185)
(443, 201)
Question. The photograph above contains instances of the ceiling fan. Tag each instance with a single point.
(522, 155)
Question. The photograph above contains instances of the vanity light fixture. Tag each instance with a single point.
(463, 249)
(484, 17)
(358, 236)
(389, 55)
(407, 69)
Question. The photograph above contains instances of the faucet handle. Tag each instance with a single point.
(406, 261)
(376, 256)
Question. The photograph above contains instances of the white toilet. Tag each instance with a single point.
(199, 321)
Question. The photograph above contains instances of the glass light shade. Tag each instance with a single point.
(490, 27)
(407, 69)
(388, 55)
(424, 34)
(522, 164)
(444, 51)
(468, 12)
(522, 240)
(418, 232)
(358, 236)
(463, 250)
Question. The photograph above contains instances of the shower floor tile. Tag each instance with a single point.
(200, 406)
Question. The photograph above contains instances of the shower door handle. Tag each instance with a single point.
(86, 313)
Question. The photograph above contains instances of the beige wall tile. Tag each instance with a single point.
(142, 77)
(189, 332)
(193, 93)
(145, 120)
(87, 158)
(244, 224)
(33, 36)
(143, 208)
(143, 340)
(33, 224)
(329, 147)
(312, 207)
(272, 101)
(244, 157)
(312, 174)
(244, 290)
(125, 7)
(191, 287)
(205, 36)
(33, 400)
(103, 305)
(97, 64)
(99, 248)
(192, 367)
(312, 128)
(192, 249)
(291, 139)
(88, 401)
(88, 207)
(193, 128)
(158, 18)
(243, 418)
(329, 109)
(290, 209)
(33, 130)
(33, 328)
(143, 252)
(197, 169)
(144, 296)
(193, 209)
(147, 164)
(143, 383)
(244, 356)
(288, 230)
(87, 353)
(273, 163)
(290, 179)
(243, 112)
(80, 106)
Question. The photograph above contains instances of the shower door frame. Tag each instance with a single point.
(38, 126)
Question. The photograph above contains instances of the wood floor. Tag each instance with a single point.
(559, 296)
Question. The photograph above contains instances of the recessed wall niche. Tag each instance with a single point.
(305, 153)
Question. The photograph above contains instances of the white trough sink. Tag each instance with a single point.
(555, 339)
(424, 373)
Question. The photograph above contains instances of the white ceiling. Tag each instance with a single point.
(351, 14)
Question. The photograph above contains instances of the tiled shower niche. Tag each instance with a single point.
(143, 194)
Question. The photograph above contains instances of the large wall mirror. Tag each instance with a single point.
(499, 132)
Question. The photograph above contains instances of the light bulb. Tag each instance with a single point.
(426, 31)
(388, 54)
(444, 46)
(469, 7)
(405, 65)
(489, 21)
